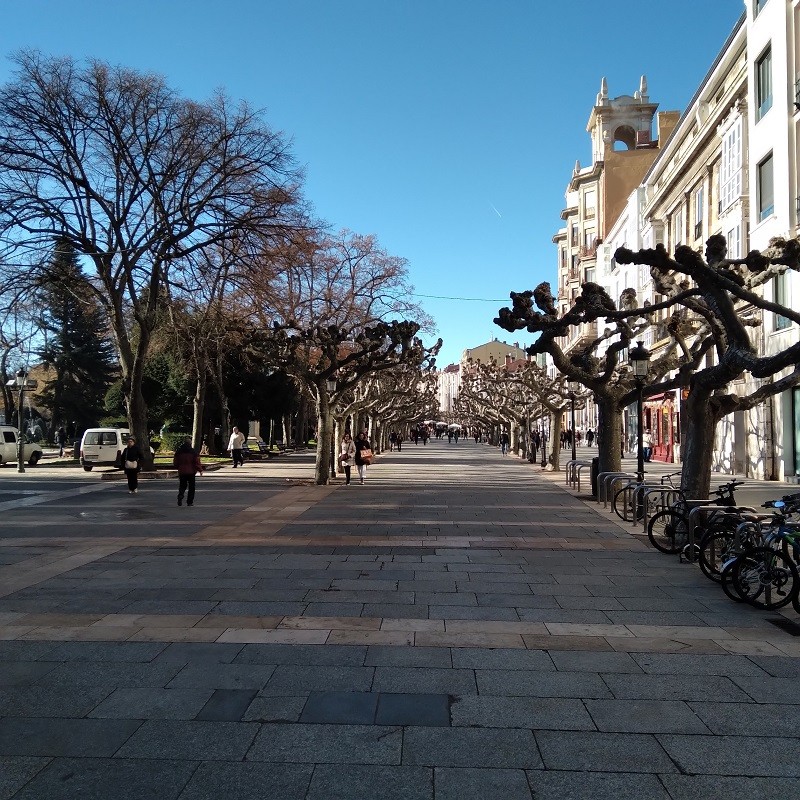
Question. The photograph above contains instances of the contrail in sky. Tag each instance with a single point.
(496, 211)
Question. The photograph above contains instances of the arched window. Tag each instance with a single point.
(624, 138)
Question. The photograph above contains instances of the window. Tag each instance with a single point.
(677, 227)
(588, 238)
(9, 437)
(766, 196)
(730, 177)
(763, 84)
(699, 210)
(574, 235)
(757, 6)
(589, 203)
(734, 240)
(589, 275)
(782, 298)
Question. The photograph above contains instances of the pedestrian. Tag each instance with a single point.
(399, 442)
(504, 442)
(346, 456)
(235, 447)
(363, 456)
(647, 445)
(392, 441)
(61, 440)
(188, 464)
(589, 437)
(132, 458)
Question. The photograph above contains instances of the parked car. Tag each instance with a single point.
(9, 437)
(102, 447)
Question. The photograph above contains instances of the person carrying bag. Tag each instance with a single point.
(363, 455)
(346, 457)
(131, 458)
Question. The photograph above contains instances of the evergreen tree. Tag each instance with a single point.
(76, 346)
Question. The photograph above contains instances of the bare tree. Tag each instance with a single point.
(136, 179)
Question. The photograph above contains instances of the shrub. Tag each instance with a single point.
(172, 441)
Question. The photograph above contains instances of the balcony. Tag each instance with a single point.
(581, 335)
(588, 251)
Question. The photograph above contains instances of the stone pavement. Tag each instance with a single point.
(461, 626)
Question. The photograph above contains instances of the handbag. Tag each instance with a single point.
(131, 464)
(366, 455)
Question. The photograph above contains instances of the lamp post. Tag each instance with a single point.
(573, 388)
(330, 385)
(639, 359)
(20, 383)
(544, 443)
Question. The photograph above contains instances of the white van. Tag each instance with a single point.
(102, 447)
(9, 436)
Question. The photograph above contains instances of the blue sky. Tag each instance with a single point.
(447, 128)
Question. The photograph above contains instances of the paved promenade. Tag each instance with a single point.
(461, 626)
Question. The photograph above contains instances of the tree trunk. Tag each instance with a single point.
(322, 467)
(698, 445)
(555, 441)
(609, 435)
(199, 406)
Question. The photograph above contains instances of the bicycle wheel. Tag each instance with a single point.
(715, 551)
(726, 580)
(668, 531)
(765, 578)
(622, 503)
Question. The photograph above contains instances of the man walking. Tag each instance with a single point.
(188, 465)
(235, 447)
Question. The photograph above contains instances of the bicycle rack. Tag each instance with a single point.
(640, 496)
(573, 471)
(665, 492)
(603, 480)
(580, 466)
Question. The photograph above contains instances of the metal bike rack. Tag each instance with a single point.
(665, 492)
(603, 480)
(580, 466)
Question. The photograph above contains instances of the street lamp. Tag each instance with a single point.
(330, 385)
(639, 359)
(544, 441)
(573, 387)
(21, 383)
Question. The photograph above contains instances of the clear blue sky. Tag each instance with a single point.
(447, 128)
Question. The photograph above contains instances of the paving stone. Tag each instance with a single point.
(471, 747)
(600, 786)
(23, 673)
(27, 651)
(777, 666)
(517, 600)
(222, 676)
(294, 680)
(199, 653)
(419, 679)
(41, 701)
(734, 755)
(99, 779)
(333, 744)
(275, 709)
(520, 683)
(501, 658)
(76, 674)
(583, 661)
(603, 752)
(677, 687)
(63, 737)
(192, 740)
(358, 782)
(16, 771)
(259, 609)
(123, 652)
(644, 716)
(395, 611)
(388, 656)
(432, 710)
(521, 712)
(749, 719)
(333, 609)
(307, 655)
(341, 708)
(584, 617)
(717, 787)
(479, 784)
(247, 780)
(151, 704)
(227, 705)
(679, 664)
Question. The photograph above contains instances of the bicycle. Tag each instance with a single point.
(629, 505)
(668, 530)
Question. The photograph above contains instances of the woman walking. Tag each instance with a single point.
(363, 455)
(346, 456)
(131, 464)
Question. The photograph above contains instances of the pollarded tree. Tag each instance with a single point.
(596, 365)
(135, 178)
(722, 294)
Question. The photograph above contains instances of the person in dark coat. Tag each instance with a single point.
(132, 458)
(362, 443)
(188, 464)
